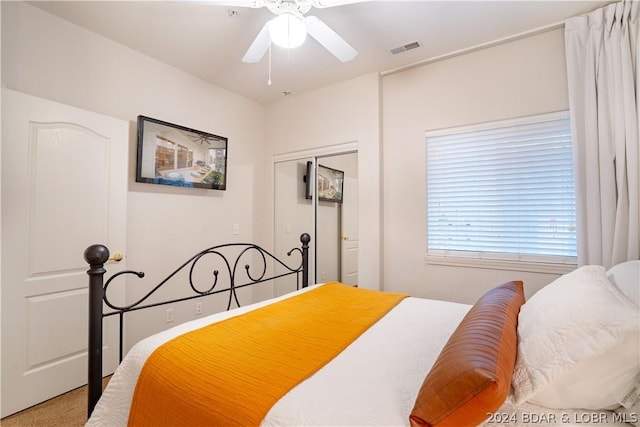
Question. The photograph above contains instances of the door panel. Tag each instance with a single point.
(68, 164)
(64, 183)
(60, 311)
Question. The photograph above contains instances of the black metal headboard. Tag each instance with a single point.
(97, 256)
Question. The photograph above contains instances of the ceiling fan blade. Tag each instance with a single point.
(259, 46)
(237, 3)
(329, 39)
(329, 3)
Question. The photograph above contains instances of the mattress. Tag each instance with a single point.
(374, 381)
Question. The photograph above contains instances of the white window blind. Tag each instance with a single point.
(503, 190)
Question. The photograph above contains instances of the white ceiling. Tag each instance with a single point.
(207, 41)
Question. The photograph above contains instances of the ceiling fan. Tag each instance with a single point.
(290, 27)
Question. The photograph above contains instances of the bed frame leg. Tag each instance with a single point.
(96, 256)
(305, 239)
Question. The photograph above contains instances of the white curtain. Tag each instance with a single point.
(603, 70)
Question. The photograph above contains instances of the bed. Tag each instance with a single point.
(568, 356)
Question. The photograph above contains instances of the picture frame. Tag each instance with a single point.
(330, 184)
(170, 154)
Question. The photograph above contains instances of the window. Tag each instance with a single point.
(503, 191)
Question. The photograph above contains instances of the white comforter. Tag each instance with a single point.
(373, 382)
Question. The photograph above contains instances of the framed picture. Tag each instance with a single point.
(170, 154)
(330, 184)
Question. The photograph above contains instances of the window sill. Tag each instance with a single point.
(495, 264)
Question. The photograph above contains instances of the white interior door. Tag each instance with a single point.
(349, 224)
(64, 183)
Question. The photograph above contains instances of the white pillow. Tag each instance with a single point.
(567, 333)
(598, 382)
(630, 415)
(626, 276)
(631, 412)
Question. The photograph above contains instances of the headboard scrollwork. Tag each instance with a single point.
(256, 270)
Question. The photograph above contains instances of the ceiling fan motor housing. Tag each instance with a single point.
(292, 14)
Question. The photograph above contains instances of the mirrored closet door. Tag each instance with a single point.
(319, 195)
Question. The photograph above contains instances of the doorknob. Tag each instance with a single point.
(345, 237)
(117, 257)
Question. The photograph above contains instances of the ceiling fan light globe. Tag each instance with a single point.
(287, 30)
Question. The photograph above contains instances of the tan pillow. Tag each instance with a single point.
(472, 375)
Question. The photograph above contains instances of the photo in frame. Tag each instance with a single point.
(330, 184)
(170, 154)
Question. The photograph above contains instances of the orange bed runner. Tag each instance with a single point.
(232, 372)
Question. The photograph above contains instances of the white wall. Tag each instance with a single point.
(48, 57)
(45, 56)
(346, 112)
(518, 78)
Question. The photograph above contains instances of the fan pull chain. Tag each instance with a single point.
(269, 81)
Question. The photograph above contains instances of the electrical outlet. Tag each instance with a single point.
(199, 307)
(236, 228)
(168, 315)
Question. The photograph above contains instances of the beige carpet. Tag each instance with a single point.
(68, 410)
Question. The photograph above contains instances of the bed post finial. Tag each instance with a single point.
(305, 238)
(95, 256)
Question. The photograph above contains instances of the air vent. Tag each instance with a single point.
(405, 48)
